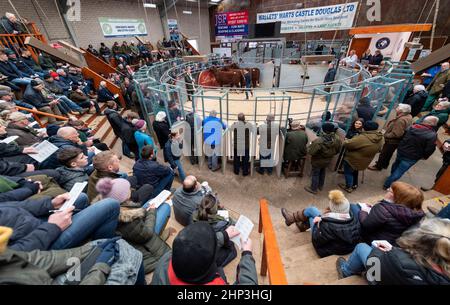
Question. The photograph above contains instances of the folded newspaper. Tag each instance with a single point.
(74, 194)
(45, 149)
(160, 199)
(245, 227)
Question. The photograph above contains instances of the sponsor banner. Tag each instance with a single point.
(232, 23)
(316, 19)
(173, 29)
(115, 27)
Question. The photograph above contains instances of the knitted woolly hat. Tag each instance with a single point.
(194, 253)
(139, 124)
(328, 127)
(338, 202)
(118, 189)
(370, 126)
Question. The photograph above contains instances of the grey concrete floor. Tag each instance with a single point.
(242, 194)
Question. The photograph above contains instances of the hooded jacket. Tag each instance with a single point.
(26, 135)
(418, 143)
(11, 168)
(324, 148)
(69, 176)
(246, 269)
(416, 101)
(398, 267)
(336, 236)
(150, 172)
(136, 227)
(362, 148)
(185, 204)
(29, 231)
(387, 221)
(42, 267)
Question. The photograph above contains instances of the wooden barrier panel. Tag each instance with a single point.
(97, 65)
(97, 78)
(443, 184)
(271, 258)
(34, 42)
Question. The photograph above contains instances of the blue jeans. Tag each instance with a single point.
(90, 156)
(356, 263)
(213, 161)
(162, 216)
(445, 212)
(164, 184)
(97, 221)
(68, 104)
(311, 213)
(350, 174)
(180, 170)
(400, 166)
(21, 81)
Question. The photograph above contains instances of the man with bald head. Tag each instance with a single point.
(66, 137)
(187, 198)
(419, 142)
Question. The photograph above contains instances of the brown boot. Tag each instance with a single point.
(290, 218)
(302, 226)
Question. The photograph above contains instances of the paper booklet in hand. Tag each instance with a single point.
(45, 149)
(365, 207)
(9, 139)
(158, 200)
(74, 193)
(245, 227)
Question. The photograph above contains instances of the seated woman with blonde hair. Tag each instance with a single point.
(421, 258)
(335, 231)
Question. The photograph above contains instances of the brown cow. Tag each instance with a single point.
(255, 72)
(227, 78)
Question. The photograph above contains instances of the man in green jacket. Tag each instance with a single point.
(42, 267)
(322, 151)
(437, 85)
(296, 140)
(441, 111)
(360, 151)
(193, 259)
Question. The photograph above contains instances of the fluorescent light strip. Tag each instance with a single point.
(150, 5)
(187, 12)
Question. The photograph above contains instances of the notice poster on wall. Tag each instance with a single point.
(232, 23)
(316, 19)
(173, 29)
(114, 27)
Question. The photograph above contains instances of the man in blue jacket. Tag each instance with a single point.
(10, 70)
(212, 134)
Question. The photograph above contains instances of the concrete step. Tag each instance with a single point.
(298, 256)
(351, 280)
(318, 271)
(291, 237)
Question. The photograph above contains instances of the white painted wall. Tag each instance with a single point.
(396, 47)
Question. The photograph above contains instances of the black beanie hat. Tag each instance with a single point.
(370, 125)
(194, 253)
(34, 83)
(328, 127)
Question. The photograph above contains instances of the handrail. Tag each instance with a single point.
(271, 258)
(97, 78)
(37, 112)
(18, 40)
